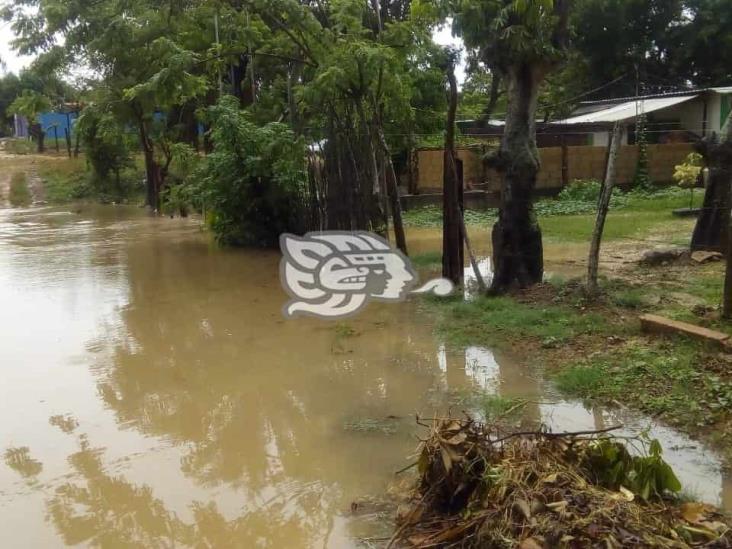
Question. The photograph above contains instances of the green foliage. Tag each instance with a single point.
(582, 190)
(18, 146)
(609, 464)
(105, 144)
(642, 178)
(569, 216)
(254, 181)
(495, 320)
(30, 104)
(19, 194)
(427, 259)
(669, 379)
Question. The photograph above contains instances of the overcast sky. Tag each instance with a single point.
(15, 62)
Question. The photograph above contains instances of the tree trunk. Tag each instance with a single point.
(602, 207)
(153, 175)
(727, 291)
(37, 133)
(710, 231)
(77, 144)
(492, 99)
(517, 248)
(68, 141)
(452, 241)
(392, 189)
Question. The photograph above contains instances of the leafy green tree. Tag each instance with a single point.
(254, 182)
(105, 145)
(31, 104)
(702, 43)
(141, 70)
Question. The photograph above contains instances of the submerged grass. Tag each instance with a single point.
(19, 194)
(676, 379)
(427, 259)
(497, 321)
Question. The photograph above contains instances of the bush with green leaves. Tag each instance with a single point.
(253, 185)
(107, 149)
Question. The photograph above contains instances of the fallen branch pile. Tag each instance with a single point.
(539, 490)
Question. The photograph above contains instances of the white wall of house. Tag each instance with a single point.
(602, 139)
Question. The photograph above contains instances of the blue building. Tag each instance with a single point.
(53, 124)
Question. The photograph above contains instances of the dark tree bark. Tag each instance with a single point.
(710, 231)
(452, 241)
(39, 136)
(392, 189)
(153, 172)
(494, 94)
(517, 248)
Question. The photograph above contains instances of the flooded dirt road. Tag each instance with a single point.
(153, 394)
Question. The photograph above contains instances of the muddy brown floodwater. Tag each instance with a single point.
(153, 395)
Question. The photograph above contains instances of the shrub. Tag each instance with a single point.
(585, 190)
(106, 149)
(254, 182)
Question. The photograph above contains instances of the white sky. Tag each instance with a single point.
(443, 36)
(14, 62)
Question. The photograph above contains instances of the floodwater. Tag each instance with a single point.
(153, 395)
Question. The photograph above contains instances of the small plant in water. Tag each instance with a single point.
(384, 426)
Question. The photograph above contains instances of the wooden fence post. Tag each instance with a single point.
(565, 162)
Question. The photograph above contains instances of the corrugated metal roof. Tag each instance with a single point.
(625, 111)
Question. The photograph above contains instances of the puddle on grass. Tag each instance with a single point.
(154, 395)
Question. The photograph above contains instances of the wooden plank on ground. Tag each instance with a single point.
(662, 325)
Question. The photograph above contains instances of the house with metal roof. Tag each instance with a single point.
(679, 117)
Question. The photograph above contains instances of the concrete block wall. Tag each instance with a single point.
(583, 162)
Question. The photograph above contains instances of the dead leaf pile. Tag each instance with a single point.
(478, 487)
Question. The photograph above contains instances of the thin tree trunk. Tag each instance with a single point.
(393, 191)
(602, 207)
(77, 144)
(452, 238)
(492, 98)
(68, 141)
(152, 170)
(517, 247)
(473, 263)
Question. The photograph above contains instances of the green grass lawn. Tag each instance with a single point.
(632, 214)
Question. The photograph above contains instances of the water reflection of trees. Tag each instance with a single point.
(104, 510)
(203, 358)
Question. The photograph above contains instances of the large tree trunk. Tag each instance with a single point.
(517, 248)
(710, 232)
(452, 241)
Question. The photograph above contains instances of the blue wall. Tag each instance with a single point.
(50, 119)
